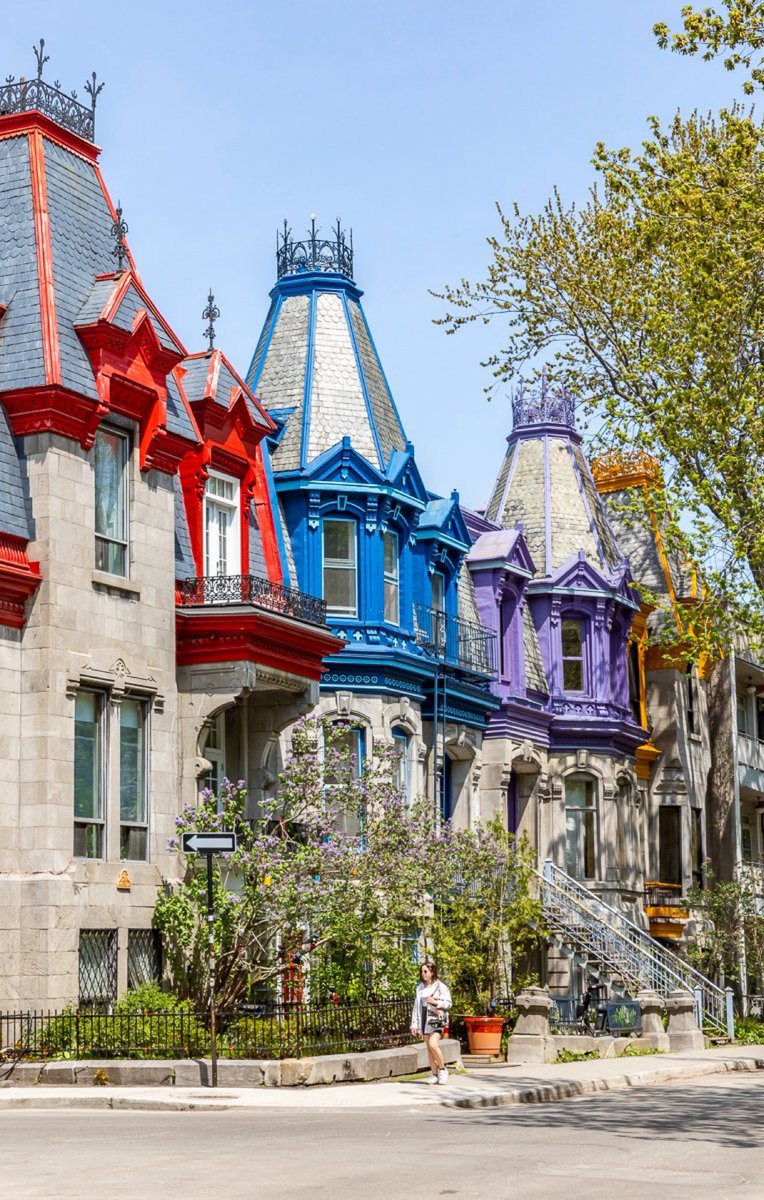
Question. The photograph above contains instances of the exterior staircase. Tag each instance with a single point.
(624, 952)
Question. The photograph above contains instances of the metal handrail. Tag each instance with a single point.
(625, 948)
(463, 644)
(251, 589)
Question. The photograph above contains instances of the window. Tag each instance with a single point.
(635, 689)
(760, 718)
(214, 752)
(439, 610)
(572, 656)
(133, 798)
(746, 838)
(340, 568)
(98, 967)
(670, 843)
(692, 705)
(696, 846)
(144, 957)
(88, 775)
(580, 828)
(111, 456)
(401, 749)
(222, 526)
(743, 720)
(347, 749)
(392, 588)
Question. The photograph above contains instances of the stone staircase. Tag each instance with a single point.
(627, 956)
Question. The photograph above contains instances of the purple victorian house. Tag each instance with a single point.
(550, 580)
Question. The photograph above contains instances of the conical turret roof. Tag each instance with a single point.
(316, 365)
(546, 486)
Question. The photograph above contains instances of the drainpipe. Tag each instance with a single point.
(742, 965)
(435, 797)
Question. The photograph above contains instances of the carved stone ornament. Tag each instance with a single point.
(344, 702)
(582, 759)
(123, 883)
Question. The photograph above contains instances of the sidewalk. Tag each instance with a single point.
(482, 1087)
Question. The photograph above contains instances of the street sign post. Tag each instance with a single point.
(209, 844)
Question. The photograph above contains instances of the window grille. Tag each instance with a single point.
(144, 957)
(98, 967)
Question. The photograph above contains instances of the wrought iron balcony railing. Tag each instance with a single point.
(251, 589)
(457, 643)
(666, 895)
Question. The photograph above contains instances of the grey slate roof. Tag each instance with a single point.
(185, 567)
(466, 598)
(535, 676)
(546, 486)
(14, 517)
(178, 419)
(21, 359)
(636, 537)
(256, 553)
(315, 355)
(195, 377)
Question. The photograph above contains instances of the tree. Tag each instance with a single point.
(737, 33)
(729, 921)
(648, 302)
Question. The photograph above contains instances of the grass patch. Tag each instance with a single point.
(637, 1051)
(566, 1056)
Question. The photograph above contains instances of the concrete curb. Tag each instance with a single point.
(547, 1093)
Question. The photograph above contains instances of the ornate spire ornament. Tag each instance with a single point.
(27, 95)
(118, 231)
(210, 314)
(546, 407)
(314, 253)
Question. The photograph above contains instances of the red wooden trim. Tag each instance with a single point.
(213, 374)
(55, 409)
(50, 347)
(19, 579)
(31, 121)
(253, 636)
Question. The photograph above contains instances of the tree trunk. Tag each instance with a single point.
(720, 788)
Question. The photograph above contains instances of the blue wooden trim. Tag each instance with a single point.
(277, 519)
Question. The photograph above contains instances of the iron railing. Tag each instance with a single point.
(272, 1032)
(25, 95)
(314, 253)
(251, 589)
(617, 1016)
(457, 643)
(589, 926)
(665, 895)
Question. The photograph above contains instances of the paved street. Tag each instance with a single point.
(698, 1140)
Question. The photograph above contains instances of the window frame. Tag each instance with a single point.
(99, 823)
(216, 754)
(359, 733)
(233, 531)
(581, 625)
(402, 748)
(391, 579)
(337, 564)
(103, 540)
(144, 708)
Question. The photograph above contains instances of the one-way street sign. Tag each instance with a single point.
(208, 843)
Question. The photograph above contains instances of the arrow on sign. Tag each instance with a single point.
(208, 843)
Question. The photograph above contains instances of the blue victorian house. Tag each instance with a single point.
(364, 532)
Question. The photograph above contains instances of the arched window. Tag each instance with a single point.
(402, 752)
(343, 768)
(340, 572)
(580, 827)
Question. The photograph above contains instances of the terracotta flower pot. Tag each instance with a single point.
(484, 1034)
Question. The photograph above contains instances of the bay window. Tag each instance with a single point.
(111, 455)
(222, 526)
(392, 578)
(340, 568)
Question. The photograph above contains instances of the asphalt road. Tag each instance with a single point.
(699, 1141)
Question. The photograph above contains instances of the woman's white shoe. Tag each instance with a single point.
(433, 1079)
(442, 1075)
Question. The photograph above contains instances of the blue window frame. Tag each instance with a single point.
(340, 567)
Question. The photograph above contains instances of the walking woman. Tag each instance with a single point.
(430, 1017)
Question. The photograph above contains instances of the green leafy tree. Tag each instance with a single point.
(728, 921)
(734, 33)
(648, 302)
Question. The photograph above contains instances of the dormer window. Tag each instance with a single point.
(573, 675)
(222, 526)
(340, 568)
(392, 578)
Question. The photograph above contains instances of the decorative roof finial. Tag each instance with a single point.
(118, 231)
(211, 314)
(94, 92)
(547, 407)
(315, 253)
(41, 56)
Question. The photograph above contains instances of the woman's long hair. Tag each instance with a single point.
(433, 971)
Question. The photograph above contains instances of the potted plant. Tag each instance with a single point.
(484, 1029)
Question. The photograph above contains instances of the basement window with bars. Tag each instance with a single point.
(98, 968)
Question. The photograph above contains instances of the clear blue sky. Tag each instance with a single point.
(408, 119)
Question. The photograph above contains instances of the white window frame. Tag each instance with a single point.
(582, 813)
(231, 507)
(102, 540)
(392, 579)
(145, 713)
(98, 821)
(336, 564)
(402, 747)
(572, 619)
(216, 754)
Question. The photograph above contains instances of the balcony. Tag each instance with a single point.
(211, 590)
(750, 756)
(666, 909)
(461, 644)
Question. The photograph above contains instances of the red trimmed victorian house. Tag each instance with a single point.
(149, 636)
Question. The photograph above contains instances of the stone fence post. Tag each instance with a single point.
(653, 1033)
(530, 1041)
(683, 1030)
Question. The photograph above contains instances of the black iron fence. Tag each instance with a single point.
(278, 1031)
(252, 589)
(665, 895)
(615, 1016)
